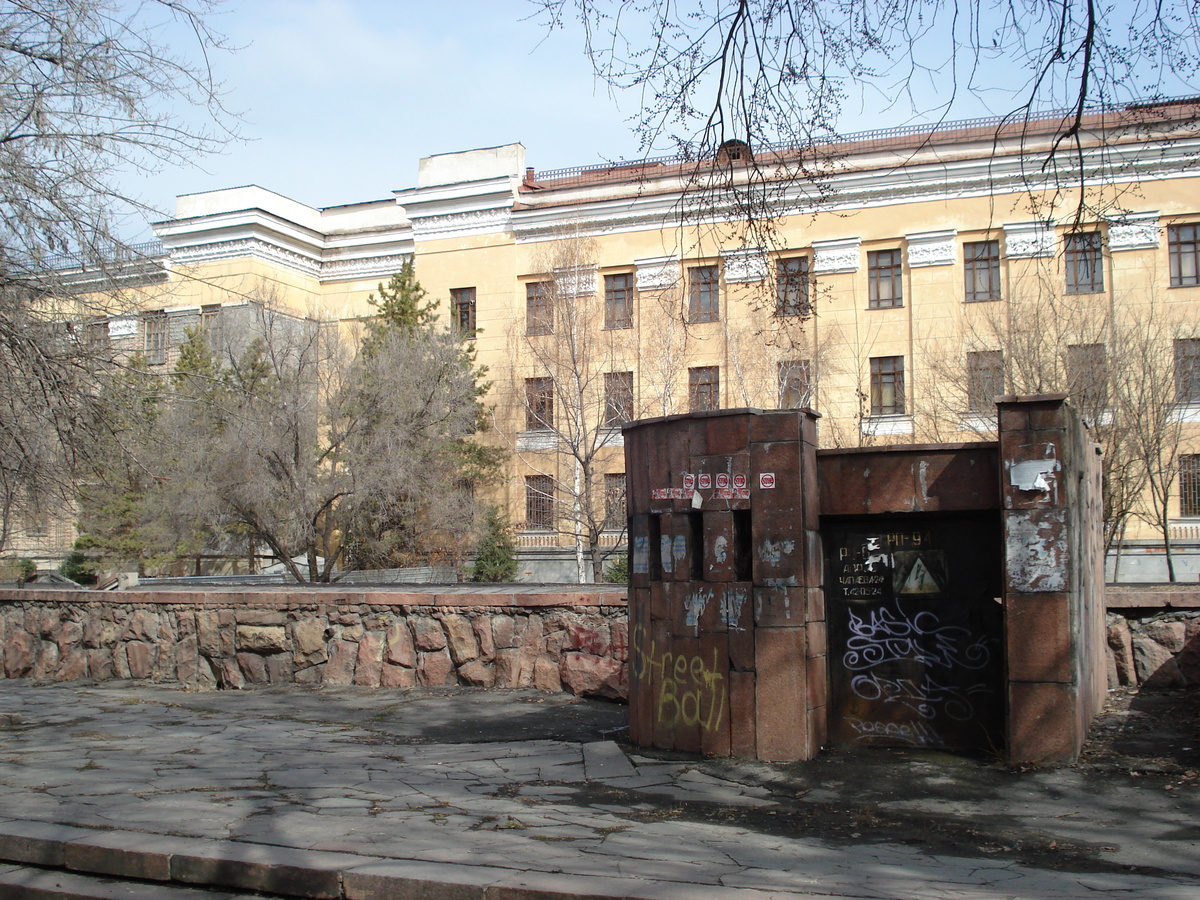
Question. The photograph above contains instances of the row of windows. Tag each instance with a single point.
(1086, 371)
(1083, 260)
(539, 502)
(1087, 375)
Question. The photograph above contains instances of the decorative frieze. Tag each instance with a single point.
(1026, 240)
(252, 247)
(483, 221)
(836, 256)
(124, 327)
(932, 248)
(1136, 231)
(743, 266)
(365, 267)
(576, 281)
(657, 273)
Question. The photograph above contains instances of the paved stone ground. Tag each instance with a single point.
(544, 787)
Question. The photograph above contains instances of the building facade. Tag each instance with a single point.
(897, 284)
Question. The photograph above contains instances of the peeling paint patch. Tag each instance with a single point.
(772, 552)
(721, 548)
(694, 607)
(641, 555)
(1038, 475)
(679, 549)
(668, 561)
(731, 608)
(1036, 552)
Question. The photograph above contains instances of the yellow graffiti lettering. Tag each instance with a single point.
(691, 691)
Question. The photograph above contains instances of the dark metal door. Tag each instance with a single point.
(915, 631)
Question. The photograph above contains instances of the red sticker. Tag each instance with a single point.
(739, 481)
(766, 480)
(722, 480)
(705, 482)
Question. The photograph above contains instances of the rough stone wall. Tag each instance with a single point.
(228, 641)
(1155, 651)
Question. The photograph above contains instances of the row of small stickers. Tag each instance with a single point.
(727, 486)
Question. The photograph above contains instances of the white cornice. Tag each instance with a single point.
(454, 210)
(848, 191)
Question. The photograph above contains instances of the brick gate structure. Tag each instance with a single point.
(782, 597)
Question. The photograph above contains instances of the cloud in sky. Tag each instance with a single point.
(341, 98)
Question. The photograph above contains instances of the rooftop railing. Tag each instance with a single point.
(865, 140)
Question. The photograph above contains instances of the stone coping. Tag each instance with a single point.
(288, 872)
(1152, 596)
(510, 596)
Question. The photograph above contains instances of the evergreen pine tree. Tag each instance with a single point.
(496, 555)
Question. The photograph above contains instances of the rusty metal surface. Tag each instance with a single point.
(919, 478)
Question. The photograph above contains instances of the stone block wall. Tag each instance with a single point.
(1154, 651)
(573, 642)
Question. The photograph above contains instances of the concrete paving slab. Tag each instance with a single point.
(357, 774)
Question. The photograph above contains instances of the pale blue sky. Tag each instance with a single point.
(341, 98)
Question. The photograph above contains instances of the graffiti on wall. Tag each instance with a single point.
(915, 658)
(691, 691)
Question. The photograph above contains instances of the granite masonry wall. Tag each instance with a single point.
(1153, 635)
(575, 642)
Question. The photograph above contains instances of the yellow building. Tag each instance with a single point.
(897, 286)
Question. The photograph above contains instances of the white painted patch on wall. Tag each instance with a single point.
(1036, 557)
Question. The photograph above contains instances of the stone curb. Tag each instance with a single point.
(321, 875)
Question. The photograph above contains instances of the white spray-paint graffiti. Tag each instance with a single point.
(886, 634)
(926, 698)
(731, 607)
(915, 734)
(694, 607)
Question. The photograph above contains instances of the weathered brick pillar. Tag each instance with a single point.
(727, 616)
(1053, 597)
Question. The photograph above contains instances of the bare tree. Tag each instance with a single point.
(1113, 356)
(768, 72)
(326, 448)
(751, 95)
(89, 90)
(574, 361)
